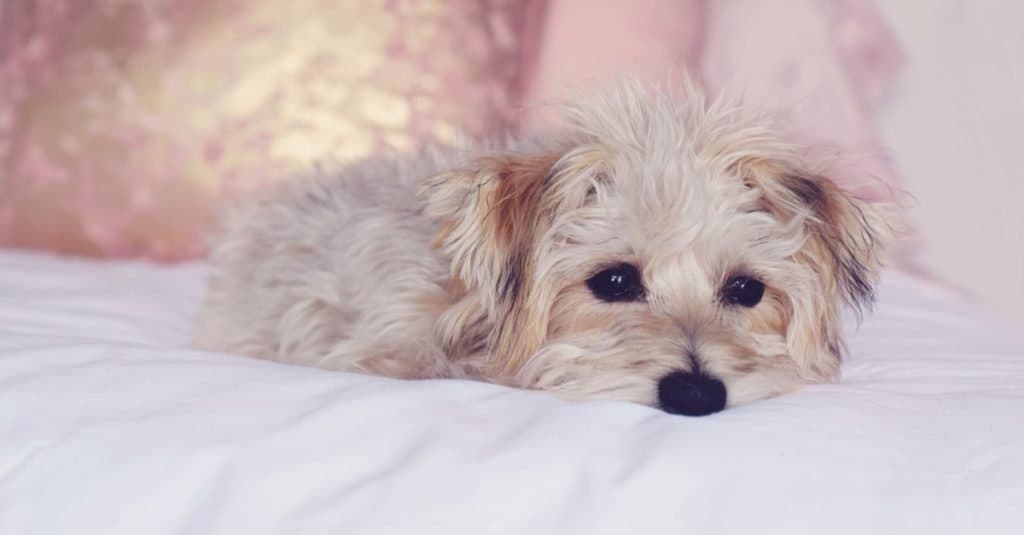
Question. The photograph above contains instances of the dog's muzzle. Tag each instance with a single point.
(691, 394)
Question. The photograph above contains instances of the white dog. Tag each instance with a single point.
(658, 250)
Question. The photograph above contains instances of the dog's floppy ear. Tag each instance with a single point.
(844, 239)
(491, 214)
(489, 211)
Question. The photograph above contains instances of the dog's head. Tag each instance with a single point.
(662, 251)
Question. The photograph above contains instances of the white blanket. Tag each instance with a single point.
(108, 425)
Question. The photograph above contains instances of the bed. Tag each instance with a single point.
(110, 424)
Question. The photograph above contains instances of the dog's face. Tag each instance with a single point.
(663, 252)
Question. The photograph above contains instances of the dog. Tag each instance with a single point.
(674, 252)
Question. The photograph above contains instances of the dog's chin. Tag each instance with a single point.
(571, 373)
(568, 372)
(745, 389)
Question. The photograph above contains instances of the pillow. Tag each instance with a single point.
(823, 65)
(587, 43)
(124, 124)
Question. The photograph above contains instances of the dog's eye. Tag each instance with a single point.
(743, 291)
(617, 283)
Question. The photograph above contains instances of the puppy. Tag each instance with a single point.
(659, 250)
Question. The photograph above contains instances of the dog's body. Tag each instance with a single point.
(337, 271)
(658, 251)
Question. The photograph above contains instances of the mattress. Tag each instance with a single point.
(110, 424)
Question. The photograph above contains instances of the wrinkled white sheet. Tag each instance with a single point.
(109, 425)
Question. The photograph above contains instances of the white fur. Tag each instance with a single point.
(473, 263)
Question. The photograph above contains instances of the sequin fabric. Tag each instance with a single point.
(125, 124)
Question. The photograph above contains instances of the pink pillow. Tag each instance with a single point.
(587, 43)
(124, 124)
(821, 63)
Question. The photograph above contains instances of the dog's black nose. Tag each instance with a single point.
(691, 394)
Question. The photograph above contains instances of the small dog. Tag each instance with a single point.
(659, 250)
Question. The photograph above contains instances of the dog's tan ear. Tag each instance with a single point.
(844, 240)
(491, 214)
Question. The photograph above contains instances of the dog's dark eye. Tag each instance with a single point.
(743, 291)
(617, 283)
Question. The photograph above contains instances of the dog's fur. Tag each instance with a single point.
(473, 263)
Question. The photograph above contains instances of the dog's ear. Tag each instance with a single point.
(843, 244)
(489, 211)
(491, 215)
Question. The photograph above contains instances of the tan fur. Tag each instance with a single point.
(474, 263)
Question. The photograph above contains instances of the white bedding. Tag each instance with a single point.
(108, 425)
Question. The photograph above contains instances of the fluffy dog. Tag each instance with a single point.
(661, 250)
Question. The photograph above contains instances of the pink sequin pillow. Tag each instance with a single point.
(125, 123)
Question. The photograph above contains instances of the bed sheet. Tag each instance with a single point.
(110, 424)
